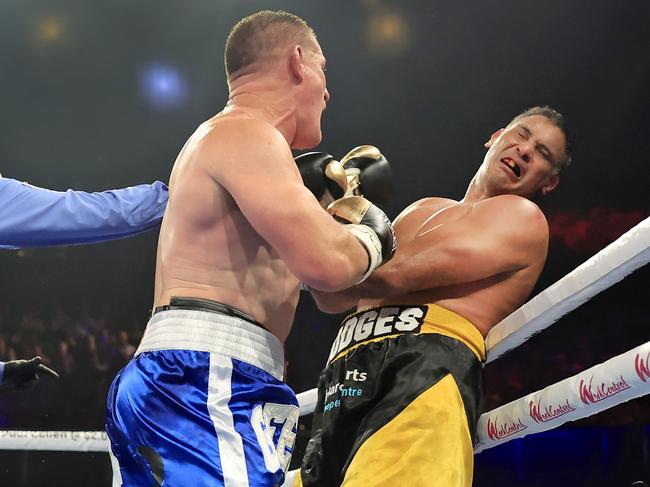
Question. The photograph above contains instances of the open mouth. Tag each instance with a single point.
(512, 165)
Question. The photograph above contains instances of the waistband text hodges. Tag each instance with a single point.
(376, 323)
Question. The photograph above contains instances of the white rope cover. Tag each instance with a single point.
(82, 441)
(93, 441)
(623, 256)
(601, 387)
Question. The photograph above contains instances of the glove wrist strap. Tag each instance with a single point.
(371, 243)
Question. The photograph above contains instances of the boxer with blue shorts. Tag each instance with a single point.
(204, 392)
(202, 403)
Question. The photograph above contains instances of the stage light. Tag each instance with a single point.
(51, 29)
(388, 34)
(163, 86)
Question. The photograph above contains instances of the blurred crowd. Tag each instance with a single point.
(69, 344)
(86, 351)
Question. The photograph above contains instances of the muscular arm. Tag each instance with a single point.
(349, 298)
(266, 185)
(496, 236)
(37, 217)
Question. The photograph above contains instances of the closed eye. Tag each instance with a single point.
(545, 153)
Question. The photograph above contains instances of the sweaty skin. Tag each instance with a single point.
(479, 257)
(240, 226)
(482, 290)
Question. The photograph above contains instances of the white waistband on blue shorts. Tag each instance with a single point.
(206, 331)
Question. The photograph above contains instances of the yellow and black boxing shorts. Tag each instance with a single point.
(398, 401)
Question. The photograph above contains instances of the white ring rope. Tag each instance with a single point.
(93, 441)
(623, 256)
(607, 267)
(83, 441)
(601, 387)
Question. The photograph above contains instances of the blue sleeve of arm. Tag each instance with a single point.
(38, 217)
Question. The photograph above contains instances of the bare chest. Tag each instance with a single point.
(422, 219)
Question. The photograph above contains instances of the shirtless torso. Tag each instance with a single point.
(471, 289)
(479, 257)
(206, 384)
(208, 249)
(219, 242)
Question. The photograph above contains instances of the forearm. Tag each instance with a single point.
(336, 273)
(408, 274)
(381, 284)
(36, 217)
(439, 265)
(385, 282)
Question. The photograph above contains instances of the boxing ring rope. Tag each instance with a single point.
(620, 258)
(603, 386)
(79, 441)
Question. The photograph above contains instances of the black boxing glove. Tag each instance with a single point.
(368, 174)
(363, 171)
(22, 374)
(370, 225)
(312, 166)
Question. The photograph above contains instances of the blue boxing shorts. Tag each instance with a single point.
(202, 403)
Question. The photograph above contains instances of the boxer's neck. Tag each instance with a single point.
(267, 98)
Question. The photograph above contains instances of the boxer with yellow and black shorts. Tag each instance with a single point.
(398, 401)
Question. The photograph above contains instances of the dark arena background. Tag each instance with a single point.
(102, 94)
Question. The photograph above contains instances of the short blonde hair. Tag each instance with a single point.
(259, 34)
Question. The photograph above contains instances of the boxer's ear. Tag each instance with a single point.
(493, 138)
(296, 63)
(550, 184)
